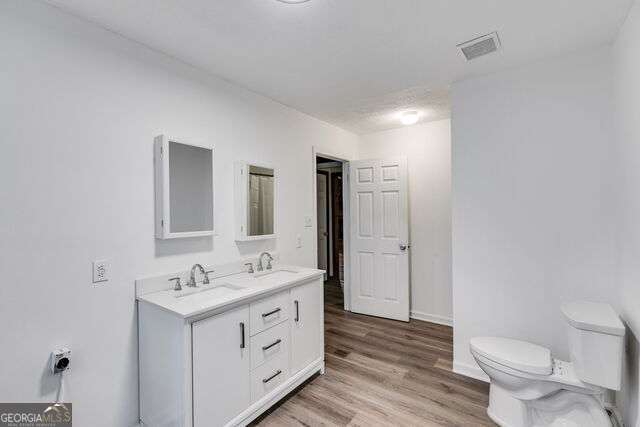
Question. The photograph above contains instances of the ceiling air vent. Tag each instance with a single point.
(480, 46)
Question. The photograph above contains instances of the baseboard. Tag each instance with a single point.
(257, 408)
(470, 371)
(433, 318)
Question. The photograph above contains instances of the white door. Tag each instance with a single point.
(323, 221)
(379, 238)
(307, 342)
(221, 368)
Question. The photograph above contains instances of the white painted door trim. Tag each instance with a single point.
(316, 151)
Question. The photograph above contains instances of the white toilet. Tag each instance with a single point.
(530, 388)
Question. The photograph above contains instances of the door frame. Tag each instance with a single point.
(327, 210)
(315, 152)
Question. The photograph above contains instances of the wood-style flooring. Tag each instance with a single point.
(382, 372)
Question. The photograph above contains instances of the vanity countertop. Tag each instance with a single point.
(226, 291)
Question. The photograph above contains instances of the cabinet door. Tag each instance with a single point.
(221, 368)
(307, 333)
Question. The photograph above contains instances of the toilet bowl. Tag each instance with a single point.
(530, 388)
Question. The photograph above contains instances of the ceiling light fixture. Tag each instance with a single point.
(409, 118)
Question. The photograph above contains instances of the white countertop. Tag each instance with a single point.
(226, 291)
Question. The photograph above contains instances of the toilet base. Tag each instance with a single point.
(564, 408)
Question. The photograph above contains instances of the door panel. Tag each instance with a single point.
(390, 265)
(391, 214)
(380, 228)
(221, 368)
(365, 214)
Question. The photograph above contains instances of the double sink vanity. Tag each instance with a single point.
(222, 353)
(220, 346)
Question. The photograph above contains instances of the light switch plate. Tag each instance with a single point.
(308, 221)
(100, 271)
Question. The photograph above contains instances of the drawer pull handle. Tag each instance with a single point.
(297, 303)
(266, 380)
(271, 312)
(267, 347)
(242, 344)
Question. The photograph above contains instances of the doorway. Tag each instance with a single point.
(330, 225)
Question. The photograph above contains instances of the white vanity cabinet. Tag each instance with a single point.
(226, 366)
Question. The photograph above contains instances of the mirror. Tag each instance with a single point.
(255, 201)
(261, 202)
(184, 189)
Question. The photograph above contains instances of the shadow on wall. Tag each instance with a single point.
(629, 390)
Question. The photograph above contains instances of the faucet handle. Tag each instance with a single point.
(250, 269)
(178, 286)
(206, 277)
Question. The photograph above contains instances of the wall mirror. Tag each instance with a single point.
(255, 199)
(184, 188)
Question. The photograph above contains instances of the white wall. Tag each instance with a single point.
(626, 79)
(532, 218)
(428, 148)
(78, 113)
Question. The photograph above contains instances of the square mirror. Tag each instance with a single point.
(255, 196)
(184, 189)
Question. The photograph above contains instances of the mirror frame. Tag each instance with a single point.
(241, 194)
(162, 190)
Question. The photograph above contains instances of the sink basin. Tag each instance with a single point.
(212, 291)
(280, 274)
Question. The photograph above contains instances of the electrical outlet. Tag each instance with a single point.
(60, 360)
(100, 271)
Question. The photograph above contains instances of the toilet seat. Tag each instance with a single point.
(495, 352)
(515, 354)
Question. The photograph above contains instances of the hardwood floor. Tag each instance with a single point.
(382, 372)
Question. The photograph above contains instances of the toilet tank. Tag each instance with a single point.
(596, 337)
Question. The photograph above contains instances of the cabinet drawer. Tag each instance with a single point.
(269, 312)
(269, 376)
(270, 344)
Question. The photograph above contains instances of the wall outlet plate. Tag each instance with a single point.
(60, 360)
(100, 271)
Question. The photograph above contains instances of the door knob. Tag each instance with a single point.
(404, 247)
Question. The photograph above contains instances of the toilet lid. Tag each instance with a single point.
(520, 355)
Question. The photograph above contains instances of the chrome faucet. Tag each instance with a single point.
(192, 278)
(260, 267)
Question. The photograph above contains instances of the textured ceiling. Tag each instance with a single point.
(354, 62)
(383, 112)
